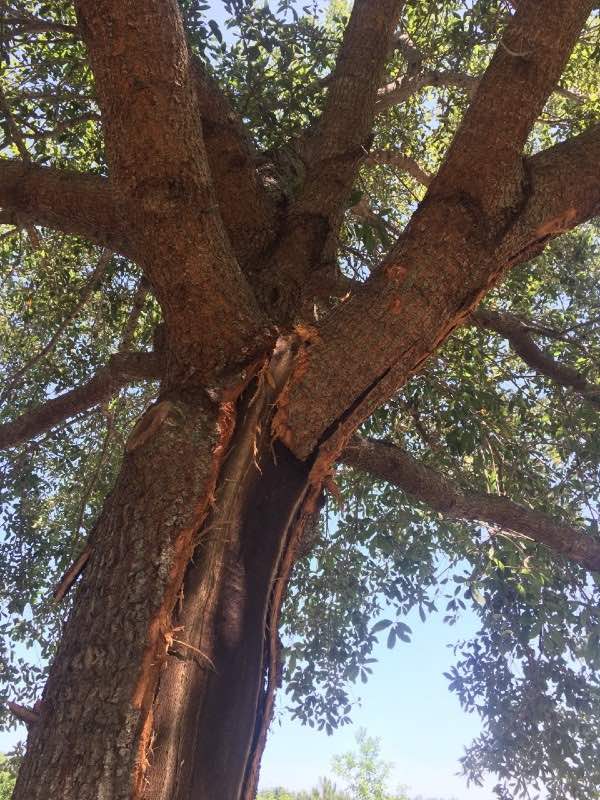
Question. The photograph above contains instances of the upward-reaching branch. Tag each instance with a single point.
(484, 159)
(330, 155)
(146, 87)
(429, 284)
(334, 150)
(247, 210)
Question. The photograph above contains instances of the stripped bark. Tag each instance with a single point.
(94, 730)
(387, 461)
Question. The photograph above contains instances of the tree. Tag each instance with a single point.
(235, 204)
(364, 771)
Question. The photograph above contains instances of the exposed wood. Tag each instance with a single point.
(91, 739)
(71, 575)
(387, 461)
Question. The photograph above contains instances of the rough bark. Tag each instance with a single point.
(159, 692)
(146, 87)
(82, 205)
(329, 156)
(387, 461)
(93, 735)
(429, 284)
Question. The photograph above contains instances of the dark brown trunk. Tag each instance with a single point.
(213, 698)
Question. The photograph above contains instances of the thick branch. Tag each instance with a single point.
(71, 202)
(389, 462)
(146, 86)
(329, 158)
(428, 285)
(523, 343)
(122, 369)
(342, 138)
(484, 159)
(563, 190)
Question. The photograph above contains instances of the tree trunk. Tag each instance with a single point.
(162, 686)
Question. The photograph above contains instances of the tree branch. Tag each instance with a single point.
(523, 344)
(333, 151)
(399, 91)
(122, 369)
(147, 94)
(402, 89)
(248, 212)
(391, 463)
(71, 202)
(563, 190)
(509, 98)
(396, 159)
(328, 158)
(427, 286)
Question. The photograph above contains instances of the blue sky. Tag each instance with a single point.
(408, 706)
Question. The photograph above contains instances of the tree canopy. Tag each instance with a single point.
(474, 487)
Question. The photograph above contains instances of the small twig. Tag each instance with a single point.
(139, 298)
(195, 650)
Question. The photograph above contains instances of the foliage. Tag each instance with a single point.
(477, 413)
(8, 771)
(363, 771)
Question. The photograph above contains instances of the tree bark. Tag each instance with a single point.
(94, 730)
(170, 697)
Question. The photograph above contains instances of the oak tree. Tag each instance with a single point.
(242, 274)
